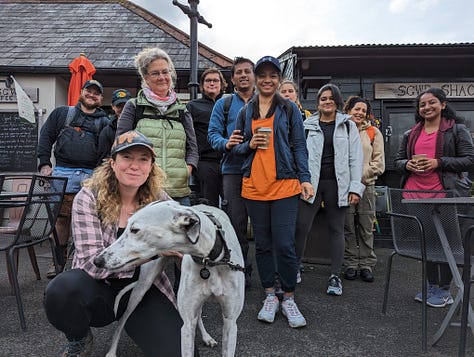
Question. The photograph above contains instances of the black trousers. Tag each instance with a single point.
(210, 181)
(74, 302)
(235, 208)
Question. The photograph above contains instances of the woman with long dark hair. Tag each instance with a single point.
(435, 155)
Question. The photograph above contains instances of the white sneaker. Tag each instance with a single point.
(269, 309)
(292, 313)
(335, 286)
(298, 277)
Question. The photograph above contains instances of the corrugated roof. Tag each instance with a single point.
(50, 33)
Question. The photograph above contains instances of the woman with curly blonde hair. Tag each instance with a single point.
(84, 296)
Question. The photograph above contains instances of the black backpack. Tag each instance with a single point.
(82, 138)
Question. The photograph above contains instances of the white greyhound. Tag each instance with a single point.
(212, 266)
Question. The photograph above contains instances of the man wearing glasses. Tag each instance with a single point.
(74, 132)
(208, 174)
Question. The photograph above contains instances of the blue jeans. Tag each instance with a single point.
(274, 232)
(74, 175)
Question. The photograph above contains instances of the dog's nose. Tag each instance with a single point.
(99, 262)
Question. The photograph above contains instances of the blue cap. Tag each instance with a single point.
(120, 96)
(268, 59)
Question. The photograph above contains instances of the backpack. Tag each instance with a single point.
(371, 133)
(227, 104)
(79, 142)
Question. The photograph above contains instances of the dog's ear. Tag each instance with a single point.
(191, 224)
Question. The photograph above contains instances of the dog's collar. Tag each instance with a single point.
(220, 246)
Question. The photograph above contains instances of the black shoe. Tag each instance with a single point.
(350, 274)
(366, 275)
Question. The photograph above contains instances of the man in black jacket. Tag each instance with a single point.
(74, 132)
(212, 85)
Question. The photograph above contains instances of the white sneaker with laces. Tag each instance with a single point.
(292, 313)
(269, 309)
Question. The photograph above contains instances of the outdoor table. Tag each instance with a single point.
(432, 204)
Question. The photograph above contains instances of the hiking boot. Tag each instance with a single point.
(269, 309)
(350, 274)
(440, 298)
(335, 286)
(366, 275)
(51, 273)
(432, 289)
(292, 313)
(79, 348)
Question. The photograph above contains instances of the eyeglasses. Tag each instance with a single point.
(209, 80)
(156, 74)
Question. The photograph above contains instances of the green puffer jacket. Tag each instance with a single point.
(169, 139)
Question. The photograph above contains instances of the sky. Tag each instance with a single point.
(256, 28)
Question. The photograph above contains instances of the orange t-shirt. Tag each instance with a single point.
(262, 184)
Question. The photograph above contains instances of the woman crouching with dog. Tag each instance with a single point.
(84, 296)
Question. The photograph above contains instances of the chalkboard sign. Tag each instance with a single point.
(18, 143)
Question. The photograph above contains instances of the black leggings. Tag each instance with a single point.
(74, 302)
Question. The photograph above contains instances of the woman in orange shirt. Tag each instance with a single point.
(275, 173)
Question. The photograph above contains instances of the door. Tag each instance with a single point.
(396, 120)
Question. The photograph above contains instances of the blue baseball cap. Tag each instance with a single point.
(120, 96)
(268, 59)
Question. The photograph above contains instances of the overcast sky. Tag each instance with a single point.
(255, 28)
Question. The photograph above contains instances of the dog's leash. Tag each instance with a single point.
(216, 250)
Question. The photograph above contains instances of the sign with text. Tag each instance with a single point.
(463, 90)
(8, 95)
(18, 142)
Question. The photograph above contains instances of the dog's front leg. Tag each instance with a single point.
(189, 308)
(148, 273)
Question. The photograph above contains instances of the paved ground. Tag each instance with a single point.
(350, 325)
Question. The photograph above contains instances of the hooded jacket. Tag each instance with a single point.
(348, 157)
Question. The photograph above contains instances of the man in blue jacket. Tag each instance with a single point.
(222, 137)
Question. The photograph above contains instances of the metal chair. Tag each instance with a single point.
(12, 216)
(39, 210)
(414, 236)
(467, 282)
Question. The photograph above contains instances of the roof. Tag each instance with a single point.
(46, 35)
(412, 60)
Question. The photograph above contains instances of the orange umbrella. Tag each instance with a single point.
(81, 71)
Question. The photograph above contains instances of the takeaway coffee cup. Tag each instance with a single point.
(418, 157)
(267, 132)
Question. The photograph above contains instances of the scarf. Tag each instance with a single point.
(162, 103)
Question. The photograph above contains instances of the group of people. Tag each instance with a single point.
(257, 154)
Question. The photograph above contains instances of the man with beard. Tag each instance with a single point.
(223, 137)
(75, 132)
